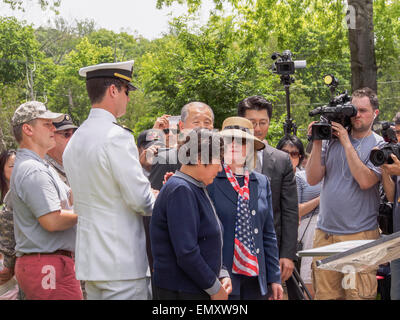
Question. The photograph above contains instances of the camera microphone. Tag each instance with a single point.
(300, 64)
(314, 112)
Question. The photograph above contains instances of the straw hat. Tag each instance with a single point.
(241, 128)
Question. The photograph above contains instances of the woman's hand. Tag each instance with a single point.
(227, 284)
(277, 292)
(220, 295)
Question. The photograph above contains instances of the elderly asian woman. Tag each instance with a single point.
(185, 231)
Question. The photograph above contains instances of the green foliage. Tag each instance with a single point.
(208, 64)
(387, 35)
(19, 48)
(220, 63)
(67, 91)
(10, 97)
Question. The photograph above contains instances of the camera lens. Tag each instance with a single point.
(325, 131)
(378, 157)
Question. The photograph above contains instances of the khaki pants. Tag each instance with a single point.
(137, 289)
(332, 285)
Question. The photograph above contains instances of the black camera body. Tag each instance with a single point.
(382, 155)
(284, 65)
(338, 110)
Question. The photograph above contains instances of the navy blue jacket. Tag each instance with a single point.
(225, 201)
(186, 238)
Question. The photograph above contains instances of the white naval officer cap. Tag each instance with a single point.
(119, 70)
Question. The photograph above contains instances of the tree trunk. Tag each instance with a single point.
(362, 48)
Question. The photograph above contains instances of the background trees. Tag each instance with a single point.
(219, 63)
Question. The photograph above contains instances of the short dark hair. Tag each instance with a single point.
(367, 92)
(295, 142)
(4, 156)
(396, 118)
(254, 103)
(201, 144)
(17, 130)
(96, 87)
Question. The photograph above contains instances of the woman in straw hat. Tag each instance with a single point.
(242, 199)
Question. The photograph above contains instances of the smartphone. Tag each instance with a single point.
(173, 121)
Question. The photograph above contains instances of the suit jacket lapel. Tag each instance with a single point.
(223, 184)
(253, 186)
(268, 162)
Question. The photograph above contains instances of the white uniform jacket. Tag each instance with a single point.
(110, 196)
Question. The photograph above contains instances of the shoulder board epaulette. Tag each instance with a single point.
(123, 127)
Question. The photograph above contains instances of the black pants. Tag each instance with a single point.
(249, 288)
(166, 294)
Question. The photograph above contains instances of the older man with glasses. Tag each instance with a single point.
(64, 131)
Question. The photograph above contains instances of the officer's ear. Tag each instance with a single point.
(112, 90)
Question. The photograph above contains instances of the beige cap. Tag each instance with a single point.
(34, 110)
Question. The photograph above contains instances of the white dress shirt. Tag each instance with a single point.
(110, 196)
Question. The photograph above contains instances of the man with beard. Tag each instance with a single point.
(349, 196)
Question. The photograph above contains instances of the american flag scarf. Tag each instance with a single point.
(244, 259)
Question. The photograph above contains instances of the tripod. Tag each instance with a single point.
(289, 126)
(300, 286)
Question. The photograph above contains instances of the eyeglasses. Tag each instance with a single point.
(241, 141)
(293, 154)
(261, 124)
(66, 135)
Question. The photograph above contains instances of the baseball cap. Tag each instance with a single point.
(65, 123)
(33, 110)
(119, 70)
(149, 137)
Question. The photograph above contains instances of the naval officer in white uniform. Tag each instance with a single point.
(111, 194)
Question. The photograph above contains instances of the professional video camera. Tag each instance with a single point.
(338, 110)
(382, 155)
(284, 66)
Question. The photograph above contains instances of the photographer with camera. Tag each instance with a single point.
(391, 186)
(349, 197)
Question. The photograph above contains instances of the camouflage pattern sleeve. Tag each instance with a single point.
(7, 240)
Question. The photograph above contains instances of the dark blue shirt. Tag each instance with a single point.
(186, 238)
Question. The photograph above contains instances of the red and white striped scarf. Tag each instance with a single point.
(245, 258)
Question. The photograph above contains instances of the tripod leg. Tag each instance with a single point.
(298, 279)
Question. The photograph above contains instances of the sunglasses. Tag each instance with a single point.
(173, 131)
(66, 135)
(241, 141)
(293, 154)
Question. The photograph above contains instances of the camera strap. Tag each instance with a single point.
(309, 221)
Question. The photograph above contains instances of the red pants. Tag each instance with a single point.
(47, 277)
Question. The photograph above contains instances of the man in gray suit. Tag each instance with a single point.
(276, 165)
